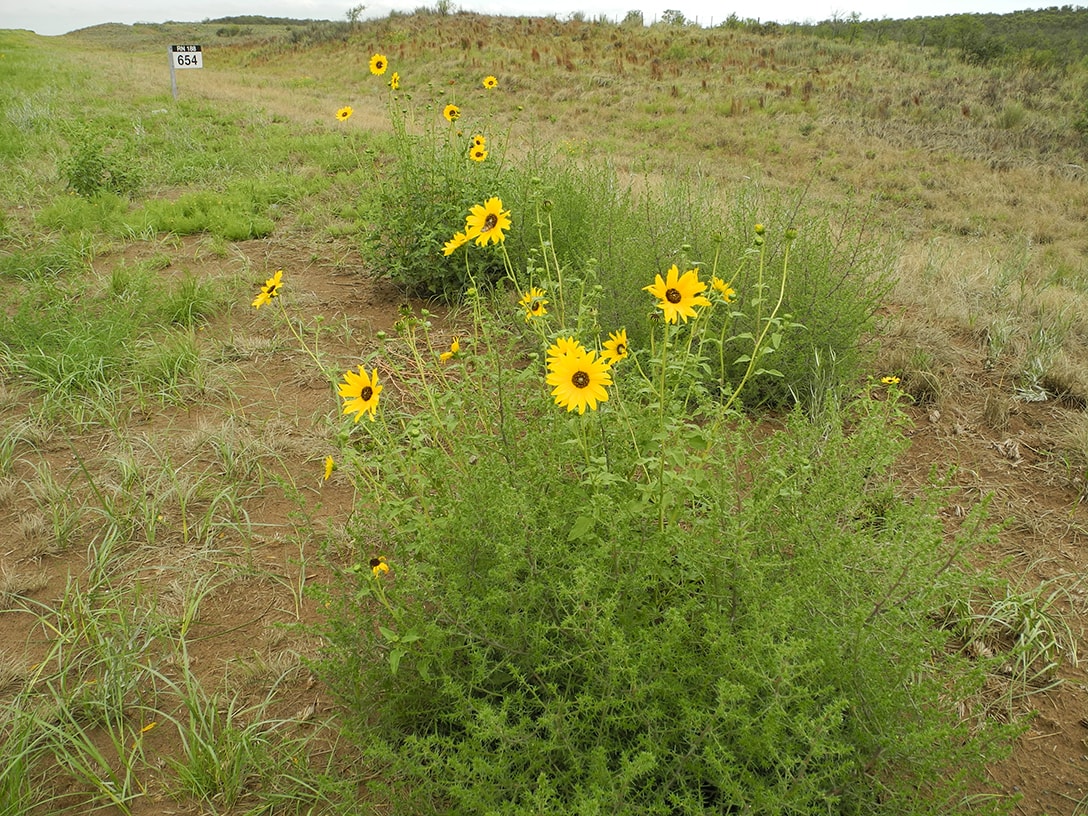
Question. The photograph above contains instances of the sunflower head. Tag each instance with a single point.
(271, 289)
(451, 112)
(479, 140)
(490, 82)
(360, 392)
(379, 565)
(330, 463)
(477, 154)
(378, 64)
(394, 81)
(458, 240)
(578, 380)
(890, 380)
(722, 288)
(344, 113)
(487, 222)
(455, 349)
(616, 347)
(534, 304)
(678, 295)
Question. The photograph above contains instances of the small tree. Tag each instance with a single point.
(354, 13)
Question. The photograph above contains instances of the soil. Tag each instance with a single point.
(246, 633)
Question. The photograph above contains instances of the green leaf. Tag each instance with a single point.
(581, 528)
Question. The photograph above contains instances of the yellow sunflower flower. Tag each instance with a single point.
(487, 221)
(616, 347)
(360, 393)
(477, 154)
(378, 64)
(330, 463)
(533, 301)
(455, 349)
(458, 240)
(722, 288)
(344, 113)
(490, 82)
(479, 140)
(678, 295)
(451, 112)
(578, 380)
(394, 81)
(379, 565)
(892, 380)
(270, 290)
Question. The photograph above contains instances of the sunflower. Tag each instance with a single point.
(892, 380)
(490, 82)
(344, 113)
(479, 140)
(722, 288)
(330, 463)
(579, 380)
(394, 81)
(451, 112)
(270, 290)
(455, 348)
(378, 64)
(534, 303)
(360, 393)
(487, 222)
(616, 347)
(477, 154)
(456, 242)
(379, 565)
(678, 295)
(563, 347)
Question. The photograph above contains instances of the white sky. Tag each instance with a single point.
(60, 16)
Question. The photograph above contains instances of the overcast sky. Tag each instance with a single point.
(61, 16)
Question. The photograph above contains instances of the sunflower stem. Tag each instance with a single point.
(661, 405)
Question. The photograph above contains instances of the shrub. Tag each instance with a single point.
(651, 608)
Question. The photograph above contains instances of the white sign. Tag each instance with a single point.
(186, 56)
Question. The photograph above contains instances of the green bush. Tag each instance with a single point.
(93, 166)
(645, 610)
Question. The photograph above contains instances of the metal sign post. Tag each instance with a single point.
(183, 56)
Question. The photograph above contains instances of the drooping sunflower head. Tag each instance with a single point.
(271, 289)
(490, 82)
(477, 154)
(678, 295)
(394, 82)
(344, 113)
(722, 288)
(578, 380)
(379, 565)
(378, 64)
(458, 240)
(534, 303)
(615, 349)
(455, 349)
(451, 112)
(487, 222)
(360, 392)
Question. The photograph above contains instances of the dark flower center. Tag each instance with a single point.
(366, 393)
(490, 222)
(673, 295)
(374, 562)
(580, 379)
(536, 306)
(621, 349)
